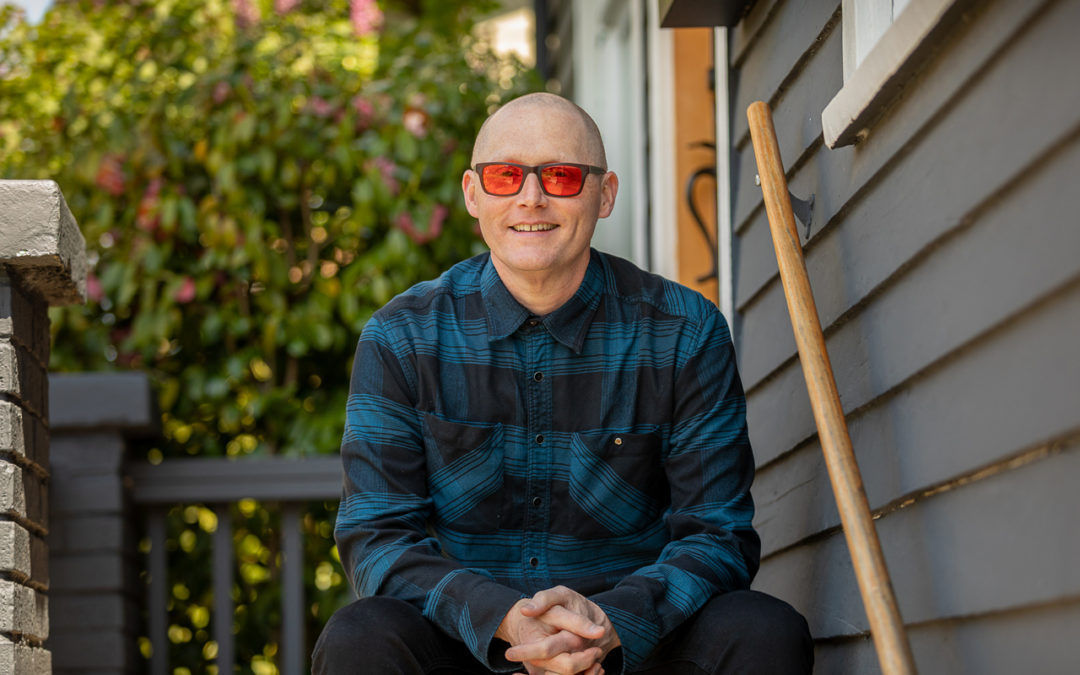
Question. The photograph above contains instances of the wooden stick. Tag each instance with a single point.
(886, 627)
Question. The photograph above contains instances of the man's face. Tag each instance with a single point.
(532, 234)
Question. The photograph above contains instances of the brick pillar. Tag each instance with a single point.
(42, 263)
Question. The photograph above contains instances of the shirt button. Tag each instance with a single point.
(538, 376)
(539, 438)
(531, 322)
(537, 501)
(534, 562)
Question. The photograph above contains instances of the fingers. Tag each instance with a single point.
(546, 648)
(565, 609)
(578, 663)
(565, 619)
(571, 664)
(545, 600)
(563, 624)
(553, 648)
(594, 670)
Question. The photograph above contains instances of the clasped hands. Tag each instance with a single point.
(558, 632)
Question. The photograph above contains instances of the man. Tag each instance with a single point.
(547, 466)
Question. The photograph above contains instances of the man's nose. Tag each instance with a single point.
(531, 193)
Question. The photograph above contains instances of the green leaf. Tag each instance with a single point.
(405, 147)
(244, 130)
(152, 260)
(188, 219)
(267, 164)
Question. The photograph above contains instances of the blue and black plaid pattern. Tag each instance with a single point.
(490, 454)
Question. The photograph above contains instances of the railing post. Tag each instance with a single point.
(223, 582)
(292, 602)
(222, 482)
(157, 602)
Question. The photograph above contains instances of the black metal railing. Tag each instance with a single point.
(218, 484)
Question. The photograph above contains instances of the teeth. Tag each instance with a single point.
(537, 227)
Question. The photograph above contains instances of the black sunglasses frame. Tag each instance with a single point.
(586, 170)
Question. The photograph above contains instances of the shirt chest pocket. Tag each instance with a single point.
(465, 473)
(617, 481)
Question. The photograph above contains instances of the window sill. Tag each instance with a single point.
(901, 51)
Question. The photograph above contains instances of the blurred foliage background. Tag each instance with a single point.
(253, 178)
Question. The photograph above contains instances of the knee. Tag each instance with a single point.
(376, 623)
(764, 617)
(766, 630)
(373, 616)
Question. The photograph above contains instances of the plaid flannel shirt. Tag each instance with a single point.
(490, 454)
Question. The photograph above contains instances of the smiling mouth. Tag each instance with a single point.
(534, 227)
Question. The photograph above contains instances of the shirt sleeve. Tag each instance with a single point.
(713, 547)
(381, 528)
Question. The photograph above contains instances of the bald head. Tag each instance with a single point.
(521, 110)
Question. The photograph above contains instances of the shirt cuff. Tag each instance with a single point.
(498, 600)
(634, 618)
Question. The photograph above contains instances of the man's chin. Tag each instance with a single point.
(528, 263)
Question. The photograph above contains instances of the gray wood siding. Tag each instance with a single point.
(945, 261)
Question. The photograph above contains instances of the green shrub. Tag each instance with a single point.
(253, 180)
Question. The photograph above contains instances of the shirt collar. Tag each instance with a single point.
(568, 324)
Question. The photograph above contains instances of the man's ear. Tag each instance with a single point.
(468, 188)
(609, 187)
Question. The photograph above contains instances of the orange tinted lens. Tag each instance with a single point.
(502, 179)
(561, 179)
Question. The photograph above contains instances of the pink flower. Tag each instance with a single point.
(320, 107)
(221, 92)
(247, 13)
(386, 169)
(147, 216)
(186, 292)
(363, 106)
(110, 175)
(366, 16)
(405, 222)
(434, 228)
(365, 112)
(438, 217)
(94, 291)
(285, 6)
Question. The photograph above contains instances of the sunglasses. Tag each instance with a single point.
(557, 179)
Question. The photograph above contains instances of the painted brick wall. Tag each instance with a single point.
(42, 263)
(93, 589)
(24, 459)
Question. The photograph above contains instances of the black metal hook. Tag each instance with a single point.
(714, 273)
(803, 209)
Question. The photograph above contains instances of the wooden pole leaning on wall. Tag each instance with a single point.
(886, 627)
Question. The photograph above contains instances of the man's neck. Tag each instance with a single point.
(544, 291)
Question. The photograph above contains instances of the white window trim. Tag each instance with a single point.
(662, 188)
(876, 80)
(864, 22)
(595, 24)
(723, 176)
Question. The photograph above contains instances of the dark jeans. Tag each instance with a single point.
(743, 632)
